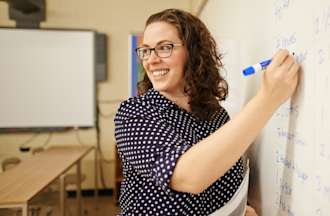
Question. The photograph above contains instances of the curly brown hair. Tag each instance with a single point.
(204, 84)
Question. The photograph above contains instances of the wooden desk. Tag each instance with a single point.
(20, 184)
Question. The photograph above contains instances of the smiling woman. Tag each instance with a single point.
(200, 77)
(181, 155)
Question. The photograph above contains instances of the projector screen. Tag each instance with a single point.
(47, 78)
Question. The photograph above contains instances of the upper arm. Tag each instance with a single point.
(150, 147)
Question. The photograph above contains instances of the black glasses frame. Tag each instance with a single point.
(141, 57)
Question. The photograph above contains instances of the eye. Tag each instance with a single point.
(143, 51)
(164, 47)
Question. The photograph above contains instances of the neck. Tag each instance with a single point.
(181, 99)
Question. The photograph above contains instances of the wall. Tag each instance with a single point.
(117, 19)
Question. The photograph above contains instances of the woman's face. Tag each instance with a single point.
(166, 74)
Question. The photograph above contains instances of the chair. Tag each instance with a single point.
(9, 163)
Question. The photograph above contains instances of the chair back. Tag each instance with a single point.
(10, 163)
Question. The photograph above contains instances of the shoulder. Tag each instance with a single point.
(130, 108)
(221, 117)
(223, 113)
(135, 107)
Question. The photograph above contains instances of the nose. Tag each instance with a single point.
(153, 58)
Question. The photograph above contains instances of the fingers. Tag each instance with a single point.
(293, 71)
(285, 62)
(288, 62)
(250, 211)
(291, 66)
(279, 57)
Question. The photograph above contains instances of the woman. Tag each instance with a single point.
(181, 154)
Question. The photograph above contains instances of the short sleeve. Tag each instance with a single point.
(150, 146)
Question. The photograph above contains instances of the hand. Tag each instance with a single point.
(250, 211)
(280, 79)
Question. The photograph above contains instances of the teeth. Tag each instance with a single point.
(161, 72)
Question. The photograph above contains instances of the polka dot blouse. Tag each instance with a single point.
(152, 133)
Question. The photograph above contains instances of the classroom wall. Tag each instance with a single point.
(117, 19)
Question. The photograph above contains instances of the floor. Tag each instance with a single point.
(103, 206)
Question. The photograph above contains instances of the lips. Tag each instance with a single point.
(160, 72)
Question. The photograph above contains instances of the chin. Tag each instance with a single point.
(160, 86)
(160, 89)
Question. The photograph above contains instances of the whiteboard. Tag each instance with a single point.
(290, 159)
(46, 78)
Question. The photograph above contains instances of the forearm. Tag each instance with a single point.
(212, 157)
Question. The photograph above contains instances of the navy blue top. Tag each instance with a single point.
(151, 133)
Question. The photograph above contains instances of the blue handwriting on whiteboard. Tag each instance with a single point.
(291, 165)
(289, 136)
(286, 41)
(291, 110)
(322, 21)
(280, 6)
(321, 188)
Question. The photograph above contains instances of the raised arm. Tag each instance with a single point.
(212, 157)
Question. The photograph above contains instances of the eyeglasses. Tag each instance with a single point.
(161, 50)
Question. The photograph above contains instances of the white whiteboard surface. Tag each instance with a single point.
(290, 160)
(46, 78)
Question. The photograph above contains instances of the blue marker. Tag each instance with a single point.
(256, 67)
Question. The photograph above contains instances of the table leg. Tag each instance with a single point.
(25, 210)
(79, 188)
(62, 195)
(96, 173)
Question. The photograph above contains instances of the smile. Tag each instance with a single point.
(160, 72)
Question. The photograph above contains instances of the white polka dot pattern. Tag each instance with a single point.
(151, 134)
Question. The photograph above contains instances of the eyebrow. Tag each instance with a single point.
(159, 42)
